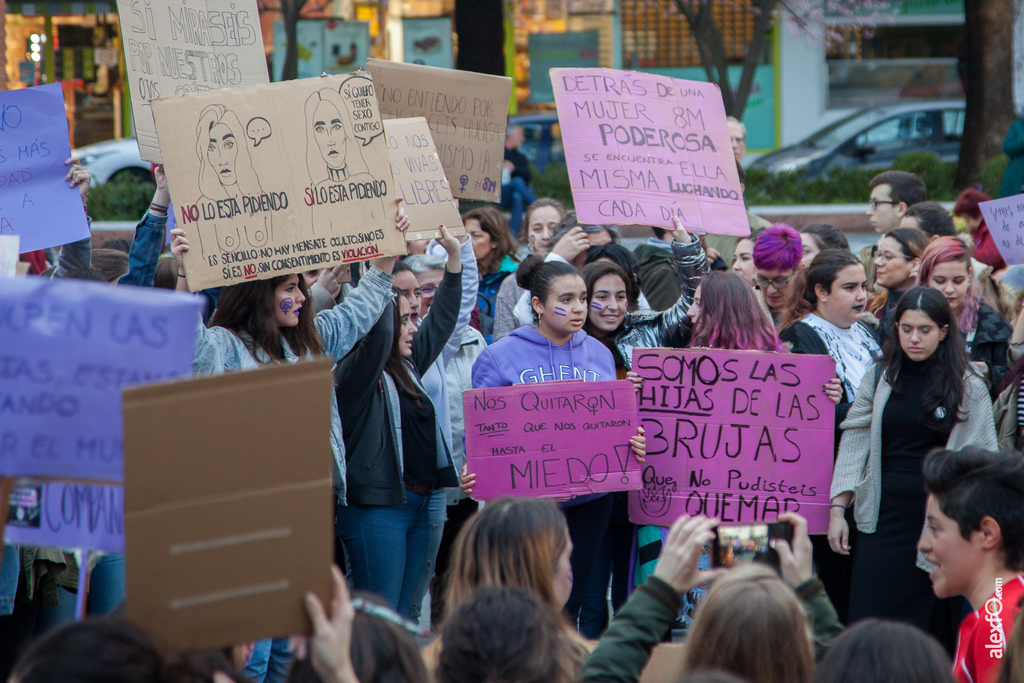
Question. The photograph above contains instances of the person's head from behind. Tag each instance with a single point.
(558, 296)
(946, 268)
(429, 271)
(111, 262)
(505, 635)
(876, 650)
(492, 237)
(408, 287)
(109, 650)
(517, 542)
(777, 255)
(930, 217)
(743, 256)
(818, 237)
(974, 523)
(119, 244)
(539, 222)
(892, 193)
(966, 207)
(834, 287)
(609, 292)
(166, 275)
(382, 649)
(616, 253)
(753, 625)
(266, 310)
(726, 315)
(87, 274)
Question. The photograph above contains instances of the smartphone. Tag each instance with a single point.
(741, 543)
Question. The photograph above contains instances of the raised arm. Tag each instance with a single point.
(76, 255)
(691, 266)
(358, 372)
(149, 236)
(342, 326)
(470, 287)
(440, 323)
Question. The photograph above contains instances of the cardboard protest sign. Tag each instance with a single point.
(66, 515)
(420, 180)
(176, 47)
(466, 113)
(1005, 220)
(229, 505)
(274, 179)
(9, 255)
(642, 148)
(551, 440)
(36, 202)
(68, 349)
(738, 435)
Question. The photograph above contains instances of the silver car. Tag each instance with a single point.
(873, 138)
(114, 160)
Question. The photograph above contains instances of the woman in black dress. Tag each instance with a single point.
(922, 395)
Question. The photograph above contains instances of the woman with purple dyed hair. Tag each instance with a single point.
(777, 255)
(946, 267)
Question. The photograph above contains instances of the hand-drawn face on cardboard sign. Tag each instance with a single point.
(278, 179)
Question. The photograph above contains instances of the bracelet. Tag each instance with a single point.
(157, 207)
(181, 274)
(838, 505)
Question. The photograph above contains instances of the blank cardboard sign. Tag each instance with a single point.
(228, 504)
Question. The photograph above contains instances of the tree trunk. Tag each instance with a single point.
(3, 52)
(989, 86)
(480, 26)
(290, 10)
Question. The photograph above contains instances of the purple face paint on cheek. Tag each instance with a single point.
(597, 307)
(287, 305)
(560, 311)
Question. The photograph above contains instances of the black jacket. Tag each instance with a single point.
(368, 401)
(801, 338)
(991, 344)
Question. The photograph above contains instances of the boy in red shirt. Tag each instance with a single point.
(974, 537)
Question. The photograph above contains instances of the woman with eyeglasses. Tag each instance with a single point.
(896, 262)
(824, 318)
(946, 267)
(777, 255)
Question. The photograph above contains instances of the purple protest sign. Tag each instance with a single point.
(738, 435)
(68, 349)
(36, 202)
(1005, 220)
(551, 440)
(642, 148)
(58, 514)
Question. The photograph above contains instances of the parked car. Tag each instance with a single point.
(873, 138)
(543, 143)
(114, 160)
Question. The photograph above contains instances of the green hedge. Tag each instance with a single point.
(843, 185)
(124, 200)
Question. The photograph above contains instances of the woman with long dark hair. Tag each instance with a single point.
(398, 459)
(496, 257)
(923, 394)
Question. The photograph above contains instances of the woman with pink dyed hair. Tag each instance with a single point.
(946, 267)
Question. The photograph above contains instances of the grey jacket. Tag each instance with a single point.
(859, 464)
(219, 350)
(651, 329)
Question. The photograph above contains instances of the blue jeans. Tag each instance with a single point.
(438, 516)
(270, 661)
(106, 585)
(9, 568)
(387, 547)
(516, 195)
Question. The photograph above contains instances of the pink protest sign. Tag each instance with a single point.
(642, 148)
(737, 435)
(552, 439)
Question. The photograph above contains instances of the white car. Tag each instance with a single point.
(114, 160)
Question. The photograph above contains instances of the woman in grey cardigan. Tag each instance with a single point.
(923, 394)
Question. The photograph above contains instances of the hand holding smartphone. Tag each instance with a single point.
(736, 544)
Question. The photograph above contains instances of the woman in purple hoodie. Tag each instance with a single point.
(558, 349)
